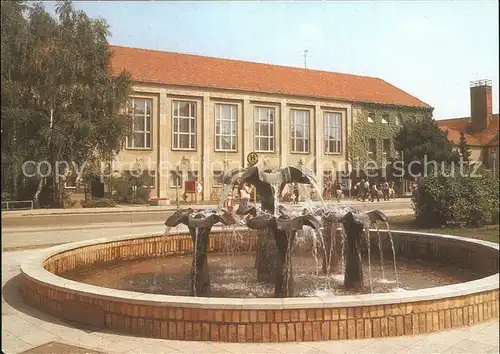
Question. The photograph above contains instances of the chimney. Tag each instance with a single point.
(481, 110)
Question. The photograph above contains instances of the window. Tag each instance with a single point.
(385, 118)
(386, 148)
(140, 110)
(398, 119)
(192, 176)
(225, 127)
(327, 177)
(218, 178)
(264, 129)
(372, 148)
(148, 178)
(175, 180)
(332, 134)
(144, 178)
(300, 130)
(184, 125)
(370, 117)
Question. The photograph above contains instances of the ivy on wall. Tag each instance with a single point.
(363, 130)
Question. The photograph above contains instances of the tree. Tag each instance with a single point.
(424, 142)
(464, 149)
(60, 99)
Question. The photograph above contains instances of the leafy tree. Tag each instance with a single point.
(423, 141)
(60, 99)
(464, 149)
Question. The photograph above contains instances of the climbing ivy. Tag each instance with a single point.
(363, 130)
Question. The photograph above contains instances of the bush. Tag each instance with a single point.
(446, 198)
(123, 191)
(97, 203)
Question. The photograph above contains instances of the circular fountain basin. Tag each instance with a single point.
(311, 318)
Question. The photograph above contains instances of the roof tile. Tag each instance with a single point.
(158, 67)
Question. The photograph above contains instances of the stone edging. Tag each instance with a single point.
(262, 320)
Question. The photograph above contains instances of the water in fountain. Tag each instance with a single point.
(393, 255)
(276, 191)
(368, 246)
(381, 252)
(195, 260)
(225, 190)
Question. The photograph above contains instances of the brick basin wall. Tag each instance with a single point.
(263, 320)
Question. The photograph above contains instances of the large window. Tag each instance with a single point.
(140, 109)
(300, 130)
(184, 125)
(225, 127)
(264, 129)
(175, 180)
(386, 149)
(333, 133)
(372, 148)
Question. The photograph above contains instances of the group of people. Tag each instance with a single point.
(371, 190)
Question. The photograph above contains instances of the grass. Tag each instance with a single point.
(407, 222)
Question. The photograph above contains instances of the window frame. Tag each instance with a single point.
(371, 154)
(171, 179)
(272, 129)
(218, 138)
(130, 140)
(306, 139)
(194, 107)
(327, 140)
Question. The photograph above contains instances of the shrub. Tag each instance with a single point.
(123, 190)
(97, 203)
(445, 198)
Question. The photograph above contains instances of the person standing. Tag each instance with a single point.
(374, 193)
(385, 189)
(229, 203)
(295, 193)
(366, 189)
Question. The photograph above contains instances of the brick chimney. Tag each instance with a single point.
(481, 110)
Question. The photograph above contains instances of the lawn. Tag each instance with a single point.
(407, 222)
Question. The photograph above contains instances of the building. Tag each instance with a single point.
(202, 116)
(480, 128)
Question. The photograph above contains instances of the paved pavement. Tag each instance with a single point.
(24, 328)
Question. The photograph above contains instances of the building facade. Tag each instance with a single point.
(480, 128)
(196, 118)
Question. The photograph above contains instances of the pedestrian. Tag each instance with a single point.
(229, 203)
(366, 189)
(392, 191)
(357, 190)
(295, 193)
(385, 190)
(374, 193)
(338, 191)
(244, 200)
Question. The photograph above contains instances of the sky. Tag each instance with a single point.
(430, 49)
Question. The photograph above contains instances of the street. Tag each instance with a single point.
(19, 231)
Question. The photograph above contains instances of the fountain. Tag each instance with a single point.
(277, 229)
(199, 223)
(448, 281)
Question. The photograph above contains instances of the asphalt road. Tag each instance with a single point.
(142, 217)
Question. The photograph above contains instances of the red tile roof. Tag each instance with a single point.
(158, 67)
(488, 136)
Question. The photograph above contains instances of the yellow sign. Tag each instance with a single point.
(252, 158)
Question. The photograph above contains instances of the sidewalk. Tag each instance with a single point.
(172, 207)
